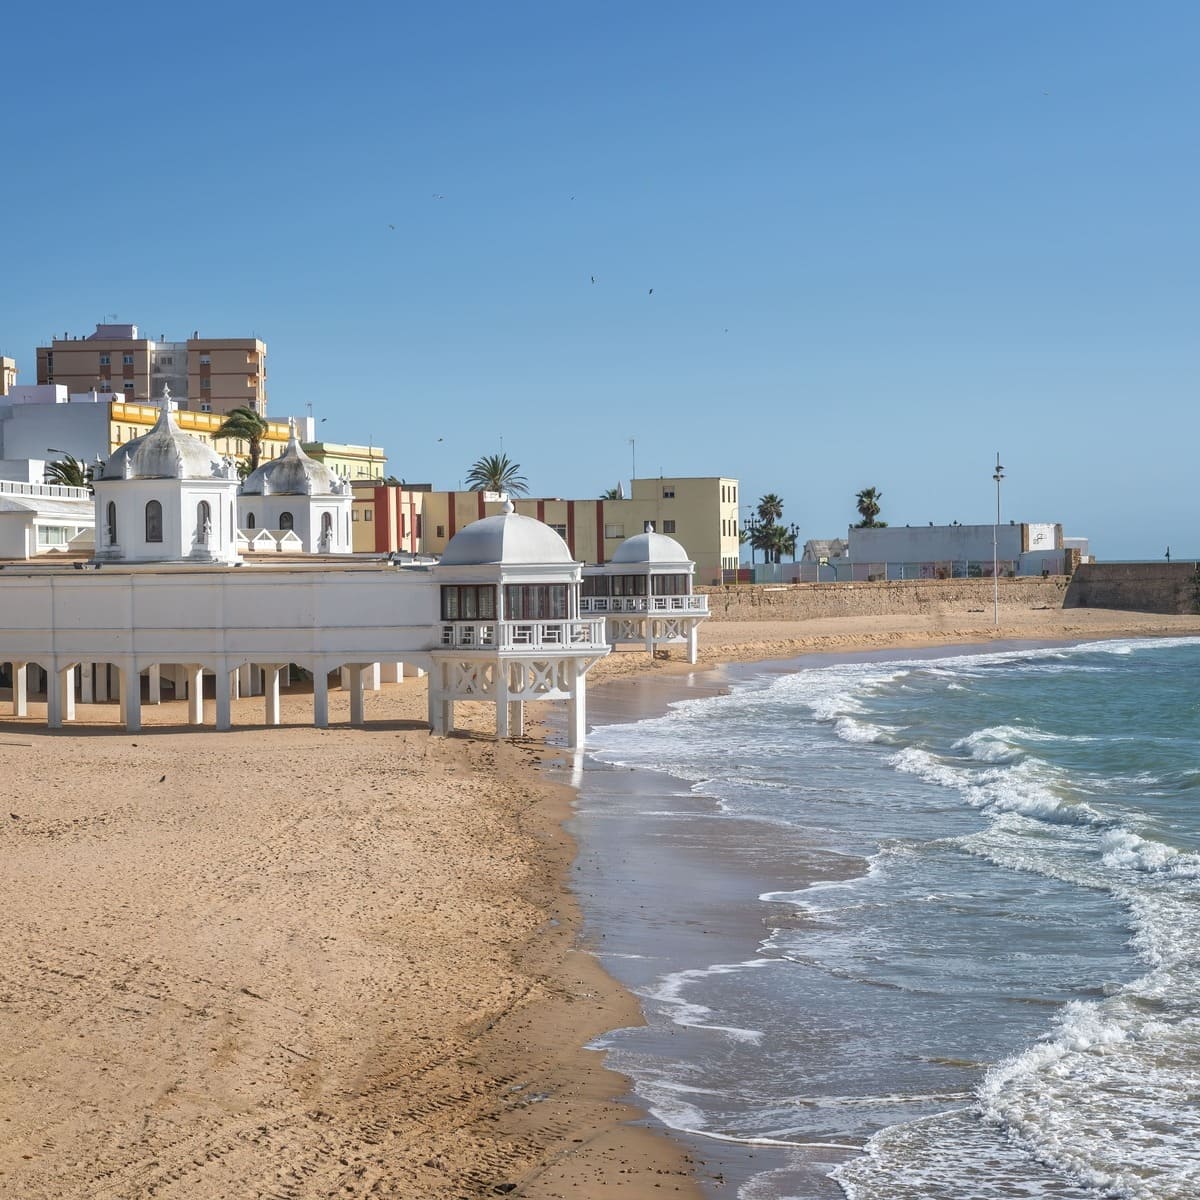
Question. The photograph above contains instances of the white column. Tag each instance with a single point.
(20, 689)
(226, 682)
(372, 676)
(391, 672)
(246, 680)
(154, 688)
(67, 692)
(102, 685)
(53, 700)
(130, 684)
(650, 635)
(321, 698)
(195, 693)
(271, 693)
(516, 718)
(357, 687)
(234, 679)
(693, 642)
(577, 710)
(87, 673)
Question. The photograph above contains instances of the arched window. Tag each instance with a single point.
(110, 520)
(249, 520)
(285, 520)
(327, 527)
(153, 521)
(203, 523)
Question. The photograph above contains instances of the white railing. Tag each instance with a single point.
(48, 491)
(694, 605)
(522, 635)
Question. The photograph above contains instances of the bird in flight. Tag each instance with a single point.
(391, 227)
(438, 196)
(593, 279)
(651, 291)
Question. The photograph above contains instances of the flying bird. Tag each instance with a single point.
(391, 227)
(593, 279)
(651, 291)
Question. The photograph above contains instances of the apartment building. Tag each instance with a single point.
(8, 375)
(701, 513)
(211, 375)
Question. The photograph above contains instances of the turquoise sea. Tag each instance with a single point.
(923, 928)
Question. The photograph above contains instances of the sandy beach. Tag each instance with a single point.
(301, 963)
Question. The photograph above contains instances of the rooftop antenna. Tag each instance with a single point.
(633, 464)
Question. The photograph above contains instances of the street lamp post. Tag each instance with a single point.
(998, 476)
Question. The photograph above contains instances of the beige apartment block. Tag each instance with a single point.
(211, 375)
(8, 375)
(700, 513)
(226, 373)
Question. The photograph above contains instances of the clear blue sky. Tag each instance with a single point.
(885, 240)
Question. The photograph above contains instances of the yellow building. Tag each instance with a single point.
(127, 421)
(8, 374)
(358, 464)
(701, 513)
(210, 375)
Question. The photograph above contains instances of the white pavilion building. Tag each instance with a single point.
(644, 594)
(499, 619)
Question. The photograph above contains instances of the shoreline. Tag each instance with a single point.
(299, 961)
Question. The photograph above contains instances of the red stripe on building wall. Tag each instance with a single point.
(571, 527)
(450, 523)
(541, 511)
(380, 517)
(600, 532)
(398, 538)
(482, 509)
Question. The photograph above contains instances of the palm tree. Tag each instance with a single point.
(68, 471)
(770, 509)
(868, 508)
(612, 494)
(248, 426)
(496, 473)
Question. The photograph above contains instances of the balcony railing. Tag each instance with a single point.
(48, 491)
(693, 605)
(522, 635)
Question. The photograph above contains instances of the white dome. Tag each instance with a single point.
(508, 538)
(166, 452)
(650, 548)
(293, 473)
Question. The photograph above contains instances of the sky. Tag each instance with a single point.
(814, 246)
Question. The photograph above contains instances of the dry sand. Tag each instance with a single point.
(301, 963)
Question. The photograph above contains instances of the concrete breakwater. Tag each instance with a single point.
(900, 597)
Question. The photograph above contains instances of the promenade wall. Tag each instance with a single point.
(900, 597)
(1137, 587)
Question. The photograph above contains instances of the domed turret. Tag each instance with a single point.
(166, 452)
(293, 473)
(650, 547)
(508, 539)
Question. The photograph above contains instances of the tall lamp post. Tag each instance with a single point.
(998, 476)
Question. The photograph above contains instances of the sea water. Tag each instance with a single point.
(994, 990)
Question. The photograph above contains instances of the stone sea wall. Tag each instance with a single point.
(806, 601)
(1138, 587)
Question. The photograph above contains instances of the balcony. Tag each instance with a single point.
(520, 636)
(695, 606)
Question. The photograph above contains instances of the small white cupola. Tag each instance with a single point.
(166, 497)
(510, 628)
(295, 493)
(645, 594)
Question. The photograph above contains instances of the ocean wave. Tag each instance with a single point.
(1027, 787)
